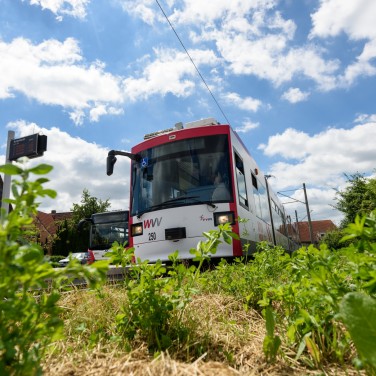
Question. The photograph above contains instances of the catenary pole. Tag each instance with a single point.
(308, 214)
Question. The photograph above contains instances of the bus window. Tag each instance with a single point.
(240, 178)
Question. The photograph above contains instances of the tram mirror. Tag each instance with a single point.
(111, 160)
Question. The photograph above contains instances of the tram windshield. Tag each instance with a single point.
(187, 172)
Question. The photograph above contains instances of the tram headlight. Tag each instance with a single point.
(136, 229)
(224, 217)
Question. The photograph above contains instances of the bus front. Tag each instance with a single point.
(105, 229)
(181, 186)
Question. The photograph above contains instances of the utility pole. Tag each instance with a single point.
(308, 214)
(7, 178)
(297, 225)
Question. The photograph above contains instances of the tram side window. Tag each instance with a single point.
(240, 178)
(257, 196)
(261, 199)
(277, 217)
(265, 215)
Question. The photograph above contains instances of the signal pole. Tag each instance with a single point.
(7, 178)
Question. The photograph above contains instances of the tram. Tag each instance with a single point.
(187, 180)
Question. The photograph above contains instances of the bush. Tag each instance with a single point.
(29, 316)
(326, 289)
(333, 239)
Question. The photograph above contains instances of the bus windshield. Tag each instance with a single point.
(185, 172)
(104, 234)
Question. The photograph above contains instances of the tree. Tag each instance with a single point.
(68, 239)
(89, 205)
(358, 198)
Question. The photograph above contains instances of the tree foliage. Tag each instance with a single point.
(68, 239)
(358, 198)
(89, 205)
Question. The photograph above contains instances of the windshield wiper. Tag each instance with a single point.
(195, 198)
(174, 200)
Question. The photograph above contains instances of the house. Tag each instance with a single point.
(47, 224)
(319, 229)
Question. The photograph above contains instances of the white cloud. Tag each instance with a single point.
(290, 144)
(73, 8)
(365, 118)
(52, 73)
(247, 103)
(229, 12)
(253, 38)
(101, 109)
(295, 95)
(146, 10)
(246, 127)
(357, 20)
(321, 160)
(77, 164)
(171, 72)
(331, 144)
(270, 58)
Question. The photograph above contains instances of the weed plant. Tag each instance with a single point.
(29, 286)
(247, 281)
(320, 296)
(157, 297)
(317, 303)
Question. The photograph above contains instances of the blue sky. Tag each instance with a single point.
(296, 79)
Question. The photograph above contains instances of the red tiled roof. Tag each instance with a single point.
(318, 229)
(47, 223)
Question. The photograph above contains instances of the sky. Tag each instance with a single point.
(295, 79)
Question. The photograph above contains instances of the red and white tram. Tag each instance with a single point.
(188, 179)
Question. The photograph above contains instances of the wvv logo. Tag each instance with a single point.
(152, 222)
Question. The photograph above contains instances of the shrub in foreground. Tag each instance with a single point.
(29, 315)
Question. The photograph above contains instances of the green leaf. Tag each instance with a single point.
(269, 317)
(49, 192)
(358, 312)
(313, 350)
(10, 169)
(42, 180)
(41, 169)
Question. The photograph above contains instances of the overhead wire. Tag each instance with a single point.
(197, 70)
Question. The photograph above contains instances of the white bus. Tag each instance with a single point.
(188, 179)
(106, 228)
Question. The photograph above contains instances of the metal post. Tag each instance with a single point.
(308, 214)
(7, 178)
(297, 226)
(270, 208)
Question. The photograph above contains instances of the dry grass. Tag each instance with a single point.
(229, 338)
